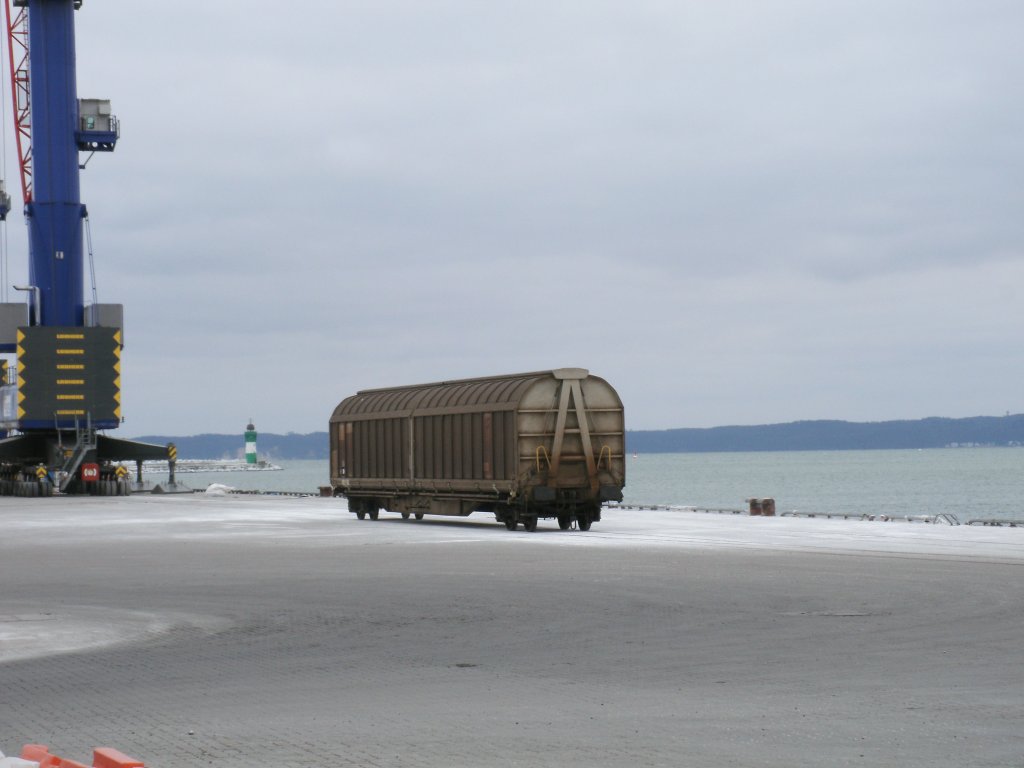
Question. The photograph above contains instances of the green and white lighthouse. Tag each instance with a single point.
(250, 443)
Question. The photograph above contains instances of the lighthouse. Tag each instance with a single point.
(250, 443)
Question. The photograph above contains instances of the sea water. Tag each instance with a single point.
(972, 483)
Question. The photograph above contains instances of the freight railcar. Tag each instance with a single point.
(549, 444)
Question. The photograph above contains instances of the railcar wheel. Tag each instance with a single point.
(361, 515)
(511, 523)
(405, 515)
(530, 524)
(419, 515)
(374, 514)
(564, 522)
(583, 521)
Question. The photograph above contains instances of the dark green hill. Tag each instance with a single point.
(834, 435)
(795, 436)
(269, 446)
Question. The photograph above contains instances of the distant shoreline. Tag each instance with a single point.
(824, 435)
(639, 452)
(835, 436)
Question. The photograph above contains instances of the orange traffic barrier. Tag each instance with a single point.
(102, 757)
(39, 754)
(106, 757)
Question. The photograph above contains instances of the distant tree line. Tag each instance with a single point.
(268, 445)
(794, 436)
(834, 435)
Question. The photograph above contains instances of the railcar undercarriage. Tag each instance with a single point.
(566, 510)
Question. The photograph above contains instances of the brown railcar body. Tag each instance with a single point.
(523, 446)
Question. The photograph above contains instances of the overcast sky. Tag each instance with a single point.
(735, 212)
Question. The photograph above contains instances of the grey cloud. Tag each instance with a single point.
(735, 212)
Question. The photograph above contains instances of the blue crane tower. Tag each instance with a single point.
(66, 384)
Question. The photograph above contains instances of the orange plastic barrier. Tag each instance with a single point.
(106, 757)
(39, 754)
(102, 757)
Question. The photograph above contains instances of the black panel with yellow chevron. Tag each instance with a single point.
(66, 375)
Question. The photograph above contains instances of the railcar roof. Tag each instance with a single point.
(488, 390)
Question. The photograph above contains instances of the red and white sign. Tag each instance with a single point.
(90, 473)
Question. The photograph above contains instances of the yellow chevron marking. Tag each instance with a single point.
(21, 336)
(117, 336)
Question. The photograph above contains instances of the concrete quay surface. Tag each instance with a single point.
(242, 631)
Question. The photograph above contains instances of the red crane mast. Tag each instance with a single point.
(17, 50)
